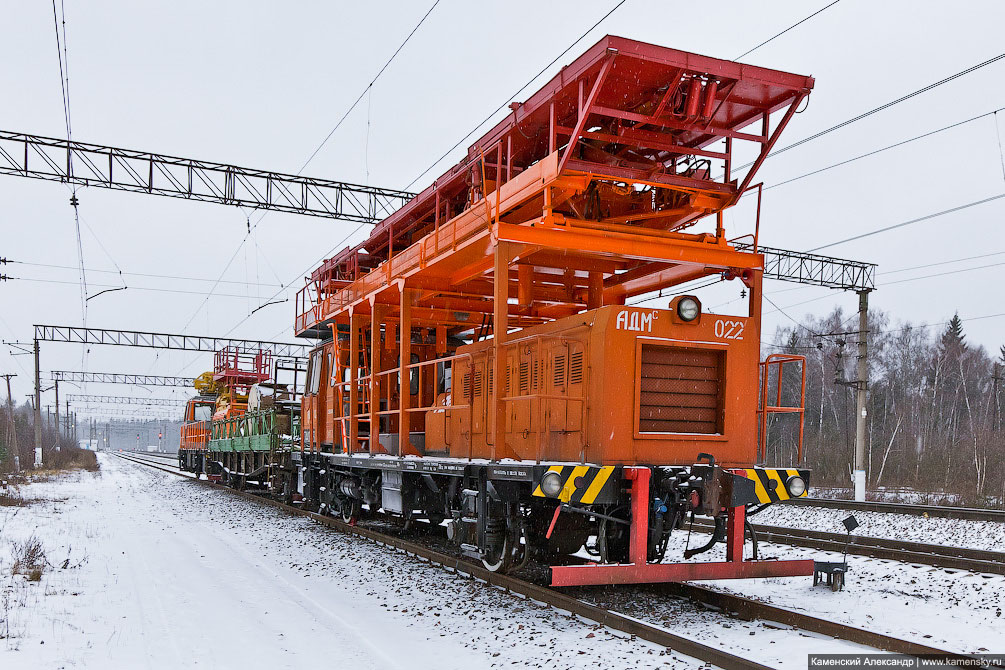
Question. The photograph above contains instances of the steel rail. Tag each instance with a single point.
(963, 513)
(951, 558)
(728, 604)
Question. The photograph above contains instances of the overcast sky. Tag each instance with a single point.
(260, 84)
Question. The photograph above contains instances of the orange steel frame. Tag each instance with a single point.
(498, 236)
(779, 361)
(589, 193)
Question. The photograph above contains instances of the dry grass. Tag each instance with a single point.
(29, 558)
(12, 498)
(71, 458)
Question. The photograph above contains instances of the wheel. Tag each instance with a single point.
(350, 511)
(498, 561)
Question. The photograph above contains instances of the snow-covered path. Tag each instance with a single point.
(172, 575)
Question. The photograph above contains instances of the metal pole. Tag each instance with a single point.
(38, 403)
(58, 428)
(861, 388)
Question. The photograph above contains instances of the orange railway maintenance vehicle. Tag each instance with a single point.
(241, 427)
(479, 364)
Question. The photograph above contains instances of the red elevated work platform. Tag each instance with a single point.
(238, 368)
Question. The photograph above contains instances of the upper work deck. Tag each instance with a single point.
(598, 182)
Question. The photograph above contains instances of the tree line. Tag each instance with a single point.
(934, 408)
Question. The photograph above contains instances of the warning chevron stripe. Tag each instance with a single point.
(584, 484)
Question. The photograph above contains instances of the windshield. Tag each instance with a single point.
(203, 412)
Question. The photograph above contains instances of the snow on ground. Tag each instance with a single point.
(989, 535)
(168, 574)
(952, 610)
(163, 573)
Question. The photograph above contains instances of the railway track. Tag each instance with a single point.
(964, 513)
(950, 558)
(729, 604)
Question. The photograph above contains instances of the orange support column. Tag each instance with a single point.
(500, 324)
(355, 322)
(404, 357)
(734, 533)
(376, 314)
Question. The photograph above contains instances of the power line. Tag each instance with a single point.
(912, 221)
(877, 151)
(518, 92)
(943, 274)
(798, 23)
(368, 87)
(434, 164)
(310, 158)
(929, 265)
(141, 274)
(882, 107)
(135, 288)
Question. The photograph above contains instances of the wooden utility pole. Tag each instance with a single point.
(11, 426)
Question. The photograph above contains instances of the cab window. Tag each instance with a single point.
(203, 412)
(314, 373)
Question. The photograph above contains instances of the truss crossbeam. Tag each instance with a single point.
(126, 400)
(143, 172)
(130, 338)
(116, 378)
(816, 270)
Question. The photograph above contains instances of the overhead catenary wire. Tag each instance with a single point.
(794, 25)
(313, 155)
(880, 108)
(927, 217)
(136, 274)
(518, 92)
(435, 163)
(881, 150)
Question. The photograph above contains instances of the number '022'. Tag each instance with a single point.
(729, 330)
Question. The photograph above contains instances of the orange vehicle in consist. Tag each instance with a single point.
(480, 363)
(223, 394)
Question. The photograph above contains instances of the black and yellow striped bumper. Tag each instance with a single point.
(769, 483)
(584, 484)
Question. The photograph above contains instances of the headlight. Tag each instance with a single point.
(796, 486)
(551, 484)
(688, 308)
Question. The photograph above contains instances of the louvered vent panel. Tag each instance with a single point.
(576, 368)
(559, 380)
(680, 390)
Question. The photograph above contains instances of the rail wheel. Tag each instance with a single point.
(350, 511)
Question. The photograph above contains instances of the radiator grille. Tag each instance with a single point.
(680, 390)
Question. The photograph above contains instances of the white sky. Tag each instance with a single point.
(259, 84)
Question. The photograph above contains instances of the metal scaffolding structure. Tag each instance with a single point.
(125, 400)
(118, 378)
(49, 158)
(131, 338)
